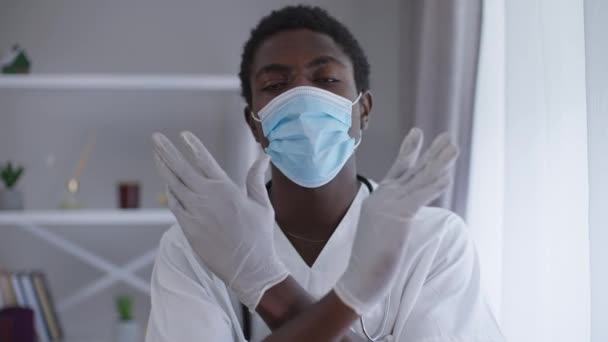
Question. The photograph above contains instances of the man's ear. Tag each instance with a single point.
(366, 104)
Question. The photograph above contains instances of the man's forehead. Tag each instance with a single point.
(297, 47)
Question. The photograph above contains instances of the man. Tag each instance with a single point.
(319, 253)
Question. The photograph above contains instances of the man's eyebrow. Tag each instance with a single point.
(282, 68)
(268, 68)
(323, 60)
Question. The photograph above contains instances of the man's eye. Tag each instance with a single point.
(327, 80)
(274, 86)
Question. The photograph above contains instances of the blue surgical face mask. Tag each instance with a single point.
(307, 129)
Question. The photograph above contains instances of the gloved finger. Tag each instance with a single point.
(424, 180)
(433, 169)
(183, 216)
(175, 205)
(431, 191)
(202, 158)
(165, 173)
(186, 217)
(445, 159)
(176, 162)
(256, 187)
(408, 154)
(441, 163)
(174, 183)
(440, 143)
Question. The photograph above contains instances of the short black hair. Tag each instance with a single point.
(315, 19)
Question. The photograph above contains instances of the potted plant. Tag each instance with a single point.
(15, 61)
(10, 197)
(127, 330)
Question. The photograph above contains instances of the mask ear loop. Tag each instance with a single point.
(361, 131)
(357, 99)
(254, 118)
(358, 142)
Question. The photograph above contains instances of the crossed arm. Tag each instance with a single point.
(292, 315)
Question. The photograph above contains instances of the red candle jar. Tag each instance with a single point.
(128, 195)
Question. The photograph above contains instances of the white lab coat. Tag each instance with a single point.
(436, 298)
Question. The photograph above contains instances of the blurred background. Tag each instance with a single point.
(522, 85)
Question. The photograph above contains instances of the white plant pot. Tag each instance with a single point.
(11, 199)
(127, 331)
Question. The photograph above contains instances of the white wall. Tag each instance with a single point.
(596, 27)
(138, 36)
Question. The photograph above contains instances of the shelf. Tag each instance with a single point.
(156, 217)
(121, 82)
(36, 223)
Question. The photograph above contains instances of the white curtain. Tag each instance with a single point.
(529, 192)
(596, 26)
(439, 55)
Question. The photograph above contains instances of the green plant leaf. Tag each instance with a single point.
(124, 306)
(10, 174)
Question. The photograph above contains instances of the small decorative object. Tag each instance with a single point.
(15, 61)
(127, 330)
(10, 197)
(162, 199)
(71, 200)
(128, 195)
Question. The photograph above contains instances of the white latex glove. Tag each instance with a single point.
(385, 221)
(231, 230)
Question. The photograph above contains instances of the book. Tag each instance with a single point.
(7, 290)
(48, 307)
(3, 294)
(32, 303)
(15, 283)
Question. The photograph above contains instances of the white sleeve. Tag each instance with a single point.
(450, 306)
(184, 309)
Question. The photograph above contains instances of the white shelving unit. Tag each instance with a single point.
(121, 82)
(37, 222)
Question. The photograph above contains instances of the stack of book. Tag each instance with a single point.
(30, 289)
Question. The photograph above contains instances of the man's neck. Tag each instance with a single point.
(313, 213)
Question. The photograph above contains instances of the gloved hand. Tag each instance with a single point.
(385, 220)
(231, 230)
